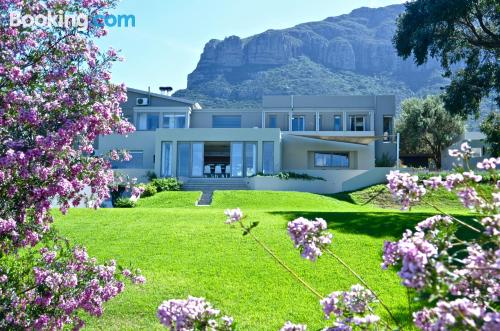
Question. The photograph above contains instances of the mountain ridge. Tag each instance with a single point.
(346, 54)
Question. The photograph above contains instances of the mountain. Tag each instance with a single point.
(347, 54)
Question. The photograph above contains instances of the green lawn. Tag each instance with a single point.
(186, 250)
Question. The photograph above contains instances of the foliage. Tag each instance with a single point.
(286, 175)
(464, 35)
(151, 175)
(124, 203)
(55, 99)
(148, 190)
(166, 184)
(426, 126)
(384, 161)
(491, 128)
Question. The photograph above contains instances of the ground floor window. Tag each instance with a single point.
(166, 161)
(331, 160)
(197, 159)
(183, 158)
(268, 157)
(251, 159)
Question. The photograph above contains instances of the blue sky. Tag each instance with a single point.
(166, 43)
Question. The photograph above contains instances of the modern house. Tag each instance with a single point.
(338, 138)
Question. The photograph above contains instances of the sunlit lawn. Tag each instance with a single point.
(186, 250)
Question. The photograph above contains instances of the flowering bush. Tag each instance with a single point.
(309, 236)
(192, 314)
(55, 100)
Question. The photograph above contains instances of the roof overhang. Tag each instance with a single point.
(360, 140)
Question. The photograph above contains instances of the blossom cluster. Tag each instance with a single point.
(309, 236)
(405, 188)
(289, 326)
(233, 215)
(63, 281)
(351, 309)
(457, 314)
(192, 314)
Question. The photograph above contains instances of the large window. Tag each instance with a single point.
(226, 121)
(237, 159)
(136, 162)
(251, 159)
(166, 160)
(331, 160)
(148, 121)
(268, 157)
(183, 158)
(298, 123)
(273, 122)
(337, 123)
(197, 155)
(174, 121)
(358, 123)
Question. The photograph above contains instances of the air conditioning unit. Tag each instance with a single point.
(141, 101)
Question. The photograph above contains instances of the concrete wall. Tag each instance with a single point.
(297, 152)
(335, 181)
(475, 140)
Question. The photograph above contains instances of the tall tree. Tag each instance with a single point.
(491, 128)
(426, 127)
(465, 36)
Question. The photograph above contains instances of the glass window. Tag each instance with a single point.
(388, 125)
(180, 121)
(331, 160)
(236, 159)
(183, 150)
(174, 121)
(166, 160)
(357, 123)
(273, 121)
(225, 121)
(337, 123)
(298, 123)
(148, 121)
(136, 161)
(251, 159)
(268, 157)
(197, 160)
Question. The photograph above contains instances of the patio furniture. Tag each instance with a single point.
(218, 170)
(227, 171)
(207, 172)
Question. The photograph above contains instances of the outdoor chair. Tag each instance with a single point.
(218, 170)
(227, 171)
(206, 171)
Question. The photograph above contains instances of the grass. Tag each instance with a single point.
(186, 250)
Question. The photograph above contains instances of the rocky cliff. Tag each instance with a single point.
(354, 50)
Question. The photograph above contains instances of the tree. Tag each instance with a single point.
(491, 128)
(465, 36)
(426, 127)
(55, 99)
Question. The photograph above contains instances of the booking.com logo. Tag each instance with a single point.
(80, 21)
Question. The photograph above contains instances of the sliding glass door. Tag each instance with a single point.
(183, 158)
(166, 161)
(237, 159)
(197, 160)
(250, 159)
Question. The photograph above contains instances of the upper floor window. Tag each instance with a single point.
(298, 123)
(388, 126)
(174, 121)
(148, 121)
(358, 122)
(226, 121)
(331, 160)
(136, 162)
(273, 121)
(337, 123)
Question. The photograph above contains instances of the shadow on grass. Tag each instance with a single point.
(375, 224)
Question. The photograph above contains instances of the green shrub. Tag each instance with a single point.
(149, 190)
(166, 184)
(124, 203)
(292, 175)
(151, 175)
